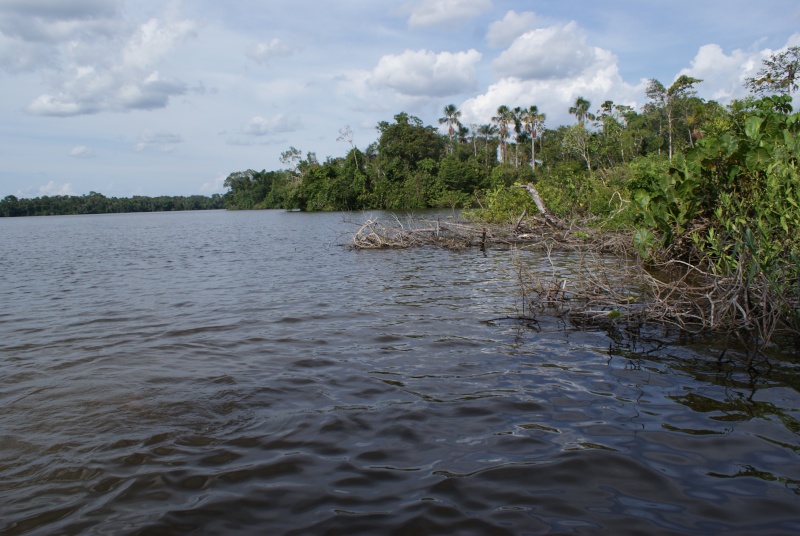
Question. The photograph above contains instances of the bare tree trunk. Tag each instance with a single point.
(537, 199)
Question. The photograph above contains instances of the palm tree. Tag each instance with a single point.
(581, 110)
(533, 122)
(503, 119)
(516, 116)
(486, 132)
(451, 119)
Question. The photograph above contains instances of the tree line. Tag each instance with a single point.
(95, 203)
(414, 166)
(591, 167)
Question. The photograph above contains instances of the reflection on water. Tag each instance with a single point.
(231, 373)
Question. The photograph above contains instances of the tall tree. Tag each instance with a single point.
(503, 120)
(670, 101)
(581, 110)
(404, 144)
(346, 134)
(486, 132)
(780, 74)
(533, 122)
(451, 118)
(520, 133)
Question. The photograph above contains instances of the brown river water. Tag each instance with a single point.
(245, 373)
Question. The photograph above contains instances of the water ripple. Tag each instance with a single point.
(178, 373)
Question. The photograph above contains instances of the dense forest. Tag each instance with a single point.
(96, 203)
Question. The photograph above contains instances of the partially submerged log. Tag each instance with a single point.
(549, 218)
(536, 197)
(375, 234)
(528, 233)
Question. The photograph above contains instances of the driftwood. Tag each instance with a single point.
(548, 217)
(527, 233)
(397, 234)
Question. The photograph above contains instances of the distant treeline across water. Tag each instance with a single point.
(95, 203)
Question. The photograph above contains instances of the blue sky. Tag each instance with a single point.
(149, 97)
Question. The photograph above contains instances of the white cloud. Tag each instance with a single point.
(215, 186)
(432, 12)
(549, 67)
(161, 141)
(52, 188)
(262, 53)
(260, 126)
(37, 34)
(554, 52)
(57, 21)
(725, 73)
(596, 82)
(503, 32)
(81, 151)
(100, 80)
(425, 73)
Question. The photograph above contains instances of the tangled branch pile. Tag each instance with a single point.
(602, 283)
(618, 291)
(531, 233)
(396, 234)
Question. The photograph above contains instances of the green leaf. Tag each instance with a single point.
(757, 159)
(643, 240)
(752, 125)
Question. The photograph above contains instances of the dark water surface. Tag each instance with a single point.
(242, 372)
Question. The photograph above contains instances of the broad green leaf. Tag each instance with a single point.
(643, 240)
(752, 125)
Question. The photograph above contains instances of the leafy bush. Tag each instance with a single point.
(503, 205)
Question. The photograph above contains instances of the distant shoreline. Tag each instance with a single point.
(95, 203)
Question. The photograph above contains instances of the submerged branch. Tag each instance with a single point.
(530, 233)
(608, 291)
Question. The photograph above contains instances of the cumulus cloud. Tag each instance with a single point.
(52, 188)
(215, 186)
(503, 32)
(597, 81)
(262, 53)
(433, 12)
(33, 34)
(54, 21)
(556, 52)
(724, 74)
(548, 67)
(259, 130)
(260, 126)
(81, 151)
(160, 141)
(423, 73)
(98, 77)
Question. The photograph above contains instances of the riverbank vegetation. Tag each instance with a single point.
(709, 242)
(707, 195)
(96, 203)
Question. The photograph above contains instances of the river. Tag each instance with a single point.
(245, 372)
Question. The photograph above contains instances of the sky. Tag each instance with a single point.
(155, 97)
